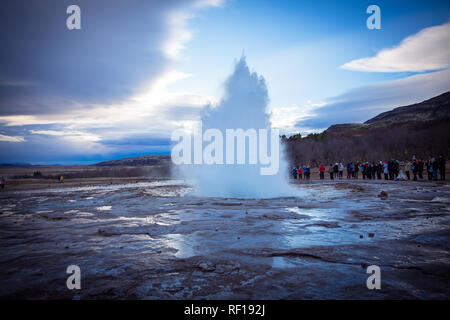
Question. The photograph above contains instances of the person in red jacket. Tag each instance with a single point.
(322, 171)
(300, 172)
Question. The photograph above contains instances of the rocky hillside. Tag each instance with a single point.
(437, 108)
(422, 129)
(148, 160)
(423, 114)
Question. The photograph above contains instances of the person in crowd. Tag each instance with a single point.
(414, 169)
(391, 165)
(401, 175)
(361, 167)
(349, 171)
(396, 169)
(307, 172)
(336, 170)
(407, 170)
(369, 171)
(429, 169)
(441, 164)
(356, 172)
(294, 172)
(386, 170)
(435, 165)
(374, 170)
(341, 170)
(322, 171)
(420, 169)
(331, 171)
(352, 170)
(379, 170)
(365, 170)
(3, 183)
(300, 173)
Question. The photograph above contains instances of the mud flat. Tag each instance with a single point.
(149, 239)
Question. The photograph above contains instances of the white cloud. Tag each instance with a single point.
(69, 135)
(114, 124)
(426, 50)
(211, 3)
(148, 110)
(154, 112)
(179, 33)
(286, 118)
(4, 138)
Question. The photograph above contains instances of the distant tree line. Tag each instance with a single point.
(378, 143)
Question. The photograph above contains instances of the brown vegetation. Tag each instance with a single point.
(422, 129)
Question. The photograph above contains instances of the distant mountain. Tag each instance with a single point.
(148, 160)
(422, 128)
(436, 108)
(16, 164)
(422, 114)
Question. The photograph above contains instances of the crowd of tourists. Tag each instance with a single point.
(392, 169)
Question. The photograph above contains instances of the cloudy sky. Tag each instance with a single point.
(138, 69)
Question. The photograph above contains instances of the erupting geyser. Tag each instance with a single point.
(243, 107)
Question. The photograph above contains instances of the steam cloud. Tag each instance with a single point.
(242, 107)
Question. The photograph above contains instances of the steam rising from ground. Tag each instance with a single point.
(242, 107)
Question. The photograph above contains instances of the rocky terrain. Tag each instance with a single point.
(153, 240)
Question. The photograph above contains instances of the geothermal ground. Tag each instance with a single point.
(151, 240)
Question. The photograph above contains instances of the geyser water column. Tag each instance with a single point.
(242, 107)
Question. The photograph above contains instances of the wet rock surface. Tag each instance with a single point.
(152, 240)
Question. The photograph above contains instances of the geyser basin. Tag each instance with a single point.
(155, 243)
